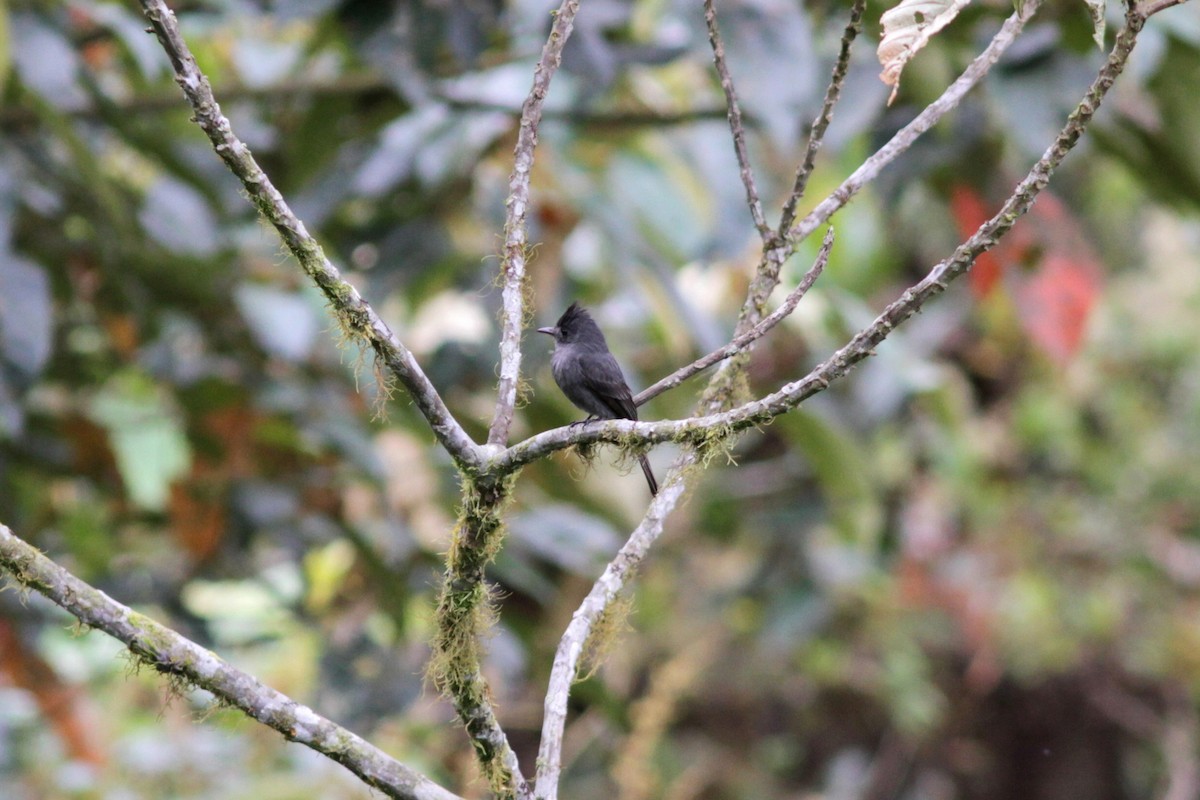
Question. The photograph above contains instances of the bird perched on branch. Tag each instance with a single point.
(588, 375)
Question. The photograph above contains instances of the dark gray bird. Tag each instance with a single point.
(588, 375)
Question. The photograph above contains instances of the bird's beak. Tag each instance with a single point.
(552, 331)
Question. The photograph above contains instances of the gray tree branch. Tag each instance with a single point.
(570, 647)
(165, 651)
(736, 128)
(512, 318)
(906, 136)
(355, 316)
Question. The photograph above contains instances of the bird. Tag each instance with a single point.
(587, 373)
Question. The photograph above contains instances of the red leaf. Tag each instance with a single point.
(969, 213)
(1056, 302)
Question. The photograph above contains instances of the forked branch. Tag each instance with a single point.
(786, 398)
(618, 572)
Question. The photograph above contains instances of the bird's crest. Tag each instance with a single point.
(576, 318)
(577, 327)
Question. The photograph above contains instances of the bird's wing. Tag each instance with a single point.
(603, 376)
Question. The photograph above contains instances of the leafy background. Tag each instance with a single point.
(970, 570)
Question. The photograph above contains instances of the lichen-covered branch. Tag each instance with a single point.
(758, 412)
(354, 315)
(736, 127)
(512, 314)
(180, 659)
(464, 615)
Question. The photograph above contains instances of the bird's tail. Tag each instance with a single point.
(649, 475)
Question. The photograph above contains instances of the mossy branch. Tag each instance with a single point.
(465, 615)
(355, 317)
(185, 662)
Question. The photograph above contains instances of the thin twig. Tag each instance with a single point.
(739, 344)
(762, 411)
(928, 117)
(183, 660)
(735, 121)
(767, 275)
(355, 316)
(816, 135)
(512, 315)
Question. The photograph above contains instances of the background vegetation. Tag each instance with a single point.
(970, 570)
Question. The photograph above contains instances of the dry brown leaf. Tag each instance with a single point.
(906, 29)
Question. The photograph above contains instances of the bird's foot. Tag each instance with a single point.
(584, 421)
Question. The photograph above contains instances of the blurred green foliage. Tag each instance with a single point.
(970, 570)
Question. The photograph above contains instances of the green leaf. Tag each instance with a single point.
(146, 437)
(843, 473)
